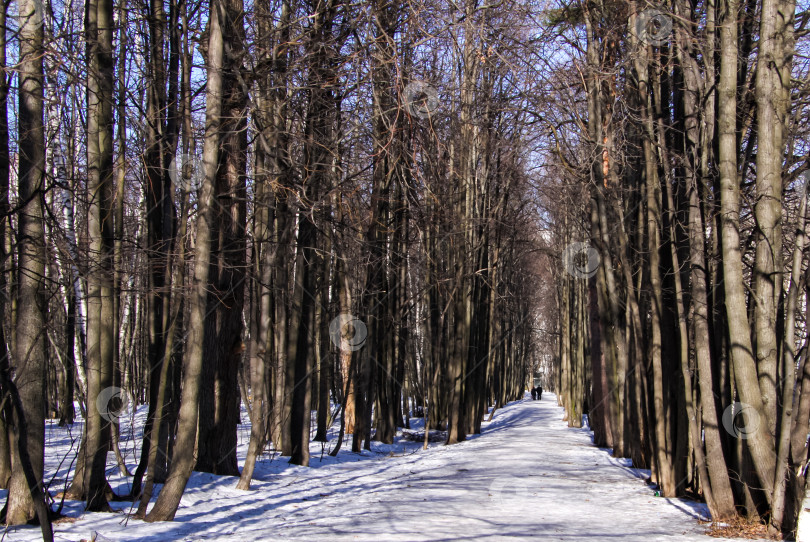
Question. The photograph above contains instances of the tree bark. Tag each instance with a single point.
(220, 400)
(29, 363)
(100, 332)
(183, 462)
(760, 441)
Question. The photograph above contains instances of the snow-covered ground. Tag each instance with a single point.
(527, 476)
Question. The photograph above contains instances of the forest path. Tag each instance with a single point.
(527, 476)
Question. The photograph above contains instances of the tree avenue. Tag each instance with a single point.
(333, 220)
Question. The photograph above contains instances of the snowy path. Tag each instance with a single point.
(527, 476)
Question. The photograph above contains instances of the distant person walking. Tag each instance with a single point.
(537, 393)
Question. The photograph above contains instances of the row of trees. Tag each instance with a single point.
(290, 206)
(683, 328)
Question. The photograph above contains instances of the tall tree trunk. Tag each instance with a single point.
(219, 402)
(784, 473)
(167, 389)
(760, 440)
(100, 332)
(118, 250)
(5, 171)
(27, 433)
(773, 85)
(183, 460)
(722, 505)
(278, 147)
(380, 296)
(261, 313)
(319, 141)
